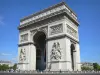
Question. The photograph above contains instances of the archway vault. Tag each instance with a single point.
(37, 31)
(40, 44)
(73, 56)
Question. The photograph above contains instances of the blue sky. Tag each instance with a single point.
(88, 12)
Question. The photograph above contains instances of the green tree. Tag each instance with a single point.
(0, 67)
(99, 68)
(11, 67)
(4, 67)
(15, 67)
(96, 66)
(85, 68)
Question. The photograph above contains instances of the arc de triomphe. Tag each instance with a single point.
(48, 40)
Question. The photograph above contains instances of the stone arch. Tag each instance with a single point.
(72, 50)
(72, 46)
(42, 29)
(39, 39)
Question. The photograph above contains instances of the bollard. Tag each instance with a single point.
(52, 72)
(41, 72)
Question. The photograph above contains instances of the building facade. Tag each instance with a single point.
(87, 64)
(9, 63)
(48, 40)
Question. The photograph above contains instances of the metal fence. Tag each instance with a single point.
(50, 73)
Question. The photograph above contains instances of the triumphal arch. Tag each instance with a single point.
(48, 40)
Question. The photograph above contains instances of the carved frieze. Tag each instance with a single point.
(44, 29)
(24, 37)
(33, 32)
(42, 15)
(55, 52)
(56, 29)
(71, 31)
(22, 56)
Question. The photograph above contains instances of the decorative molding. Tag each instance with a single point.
(24, 44)
(56, 29)
(41, 18)
(63, 11)
(56, 52)
(71, 31)
(24, 37)
(22, 63)
(71, 22)
(63, 36)
(49, 10)
(58, 61)
(44, 29)
(33, 32)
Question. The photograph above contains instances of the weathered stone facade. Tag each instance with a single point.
(60, 26)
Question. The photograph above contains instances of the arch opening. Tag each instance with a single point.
(40, 43)
(72, 48)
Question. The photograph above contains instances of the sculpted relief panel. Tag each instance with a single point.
(22, 56)
(24, 37)
(56, 29)
(71, 31)
(55, 52)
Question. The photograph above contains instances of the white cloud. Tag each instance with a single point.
(5, 54)
(15, 58)
(1, 20)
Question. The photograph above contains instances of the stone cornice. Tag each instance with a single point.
(62, 36)
(22, 63)
(27, 43)
(50, 38)
(40, 19)
(58, 61)
(49, 16)
(47, 9)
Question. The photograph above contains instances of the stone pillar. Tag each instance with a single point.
(78, 64)
(74, 59)
(68, 54)
(32, 57)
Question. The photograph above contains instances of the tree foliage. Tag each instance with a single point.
(15, 67)
(86, 68)
(4, 67)
(96, 66)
